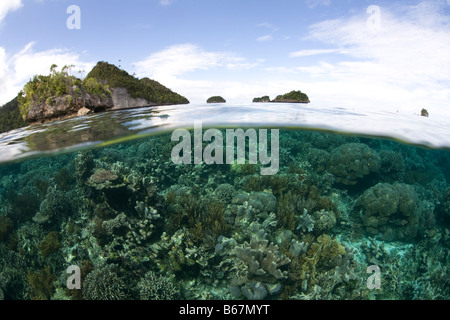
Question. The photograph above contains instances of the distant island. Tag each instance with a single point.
(262, 99)
(216, 99)
(61, 95)
(291, 97)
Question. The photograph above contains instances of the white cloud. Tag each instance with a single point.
(19, 68)
(264, 38)
(171, 66)
(400, 66)
(183, 58)
(165, 2)
(9, 5)
(313, 52)
(315, 3)
(269, 36)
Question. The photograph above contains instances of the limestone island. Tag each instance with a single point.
(291, 97)
(61, 95)
(216, 99)
(262, 99)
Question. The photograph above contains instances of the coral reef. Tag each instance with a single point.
(392, 210)
(353, 161)
(104, 283)
(262, 275)
(6, 225)
(157, 287)
(141, 227)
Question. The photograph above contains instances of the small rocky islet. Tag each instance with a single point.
(291, 97)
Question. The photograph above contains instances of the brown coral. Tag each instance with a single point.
(102, 176)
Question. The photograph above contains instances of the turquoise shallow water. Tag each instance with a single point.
(358, 208)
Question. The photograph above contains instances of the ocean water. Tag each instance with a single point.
(162, 204)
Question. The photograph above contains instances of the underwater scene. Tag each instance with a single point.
(335, 216)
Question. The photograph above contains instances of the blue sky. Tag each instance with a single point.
(392, 55)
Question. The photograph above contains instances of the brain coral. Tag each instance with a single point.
(352, 161)
(390, 209)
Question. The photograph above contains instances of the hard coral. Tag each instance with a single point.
(353, 161)
(390, 209)
(157, 287)
(104, 283)
(263, 262)
(103, 176)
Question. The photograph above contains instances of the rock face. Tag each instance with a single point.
(123, 100)
(68, 105)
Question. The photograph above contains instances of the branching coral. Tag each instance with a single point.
(104, 283)
(157, 287)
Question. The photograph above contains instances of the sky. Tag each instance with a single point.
(377, 55)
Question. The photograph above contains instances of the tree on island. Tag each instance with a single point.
(293, 97)
(216, 99)
(262, 99)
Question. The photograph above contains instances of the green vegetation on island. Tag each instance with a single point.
(60, 94)
(10, 117)
(145, 88)
(293, 97)
(43, 90)
(262, 99)
(216, 99)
